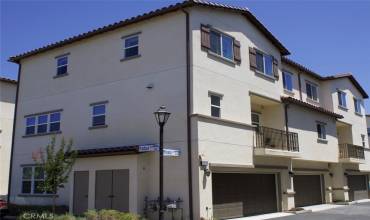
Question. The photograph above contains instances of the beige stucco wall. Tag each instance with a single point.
(96, 74)
(7, 100)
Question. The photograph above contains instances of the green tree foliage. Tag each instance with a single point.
(57, 165)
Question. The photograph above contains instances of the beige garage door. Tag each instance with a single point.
(238, 195)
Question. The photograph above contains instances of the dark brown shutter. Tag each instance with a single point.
(252, 58)
(276, 68)
(205, 39)
(237, 57)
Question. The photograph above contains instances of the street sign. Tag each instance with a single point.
(168, 152)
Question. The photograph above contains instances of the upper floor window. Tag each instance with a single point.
(221, 44)
(357, 103)
(342, 99)
(131, 46)
(363, 140)
(98, 114)
(312, 91)
(255, 119)
(62, 65)
(321, 131)
(215, 105)
(32, 179)
(368, 131)
(288, 81)
(43, 123)
(264, 63)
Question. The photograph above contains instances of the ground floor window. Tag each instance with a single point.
(32, 180)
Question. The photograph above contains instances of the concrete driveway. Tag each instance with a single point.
(360, 211)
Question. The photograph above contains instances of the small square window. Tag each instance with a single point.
(98, 115)
(62, 65)
(131, 46)
(216, 106)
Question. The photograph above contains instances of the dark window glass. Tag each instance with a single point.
(132, 41)
(259, 59)
(321, 133)
(288, 81)
(37, 187)
(27, 173)
(30, 130)
(39, 173)
(215, 42)
(55, 117)
(342, 99)
(99, 109)
(42, 128)
(132, 51)
(62, 61)
(215, 112)
(357, 105)
(268, 65)
(99, 120)
(30, 121)
(42, 119)
(215, 100)
(26, 186)
(227, 47)
(54, 127)
(61, 70)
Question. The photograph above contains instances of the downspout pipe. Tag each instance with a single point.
(188, 112)
(286, 106)
(13, 135)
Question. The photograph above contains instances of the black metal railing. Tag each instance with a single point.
(351, 151)
(276, 139)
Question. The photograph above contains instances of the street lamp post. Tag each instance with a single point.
(161, 115)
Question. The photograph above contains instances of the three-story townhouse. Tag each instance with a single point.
(254, 132)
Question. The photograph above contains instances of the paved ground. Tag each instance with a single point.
(359, 211)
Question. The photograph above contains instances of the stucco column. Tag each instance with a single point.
(340, 187)
(328, 189)
(287, 188)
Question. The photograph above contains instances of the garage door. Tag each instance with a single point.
(357, 187)
(237, 195)
(307, 190)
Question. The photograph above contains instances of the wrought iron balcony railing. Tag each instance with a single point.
(276, 139)
(351, 151)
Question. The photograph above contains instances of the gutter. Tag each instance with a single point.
(13, 135)
(188, 112)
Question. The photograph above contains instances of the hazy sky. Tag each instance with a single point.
(326, 36)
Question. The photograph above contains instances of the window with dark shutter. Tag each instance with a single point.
(252, 58)
(205, 38)
(276, 68)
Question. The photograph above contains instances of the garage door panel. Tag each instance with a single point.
(307, 189)
(238, 195)
(357, 187)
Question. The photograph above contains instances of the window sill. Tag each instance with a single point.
(343, 108)
(312, 101)
(42, 134)
(221, 58)
(98, 127)
(288, 92)
(268, 77)
(37, 195)
(130, 58)
(358, 114)
(60, 75)
(322, 141)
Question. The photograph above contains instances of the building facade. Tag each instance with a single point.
(253, 131)
(7, 103)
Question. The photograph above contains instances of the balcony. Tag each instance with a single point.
(275, 142)
(349, 153)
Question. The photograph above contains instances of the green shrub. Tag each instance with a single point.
(106, 214)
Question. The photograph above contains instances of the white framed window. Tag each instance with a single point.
(43, 123)
(131, 46)
(215, 105)
(321, 130)
(357, 103)
(255, 119)
(62, 65)
(342, 102)
(32, 180)
(222, 44)
(264, 63)
(98, 114)
(312, 91)
(288, 81)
